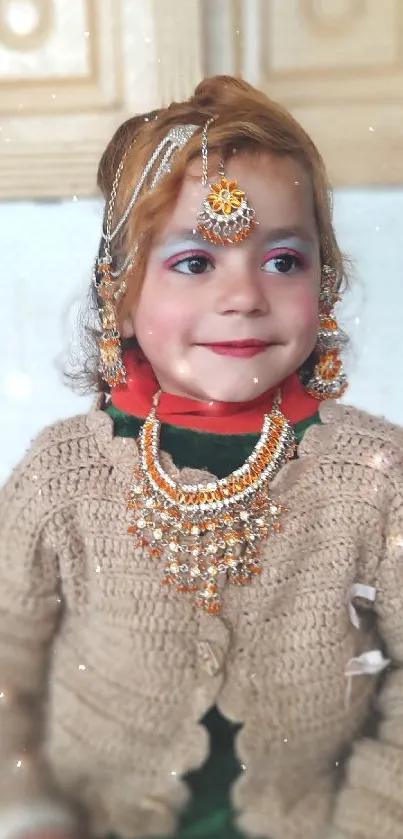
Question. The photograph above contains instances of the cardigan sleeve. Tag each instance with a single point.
(370, 804)
(30, 604)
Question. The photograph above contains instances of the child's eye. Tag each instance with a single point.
(194, 264)
(283, 263)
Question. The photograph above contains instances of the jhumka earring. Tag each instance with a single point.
(105, 279)
(111, 367)
(329, 379)
(226, 216)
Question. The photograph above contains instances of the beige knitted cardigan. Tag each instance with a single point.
(105, 674)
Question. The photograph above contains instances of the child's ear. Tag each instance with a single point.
(127, 329)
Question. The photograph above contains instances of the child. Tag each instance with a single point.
(201, 580)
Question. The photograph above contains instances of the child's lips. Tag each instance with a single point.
(239, 349)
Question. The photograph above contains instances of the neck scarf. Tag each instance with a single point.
(136, 397)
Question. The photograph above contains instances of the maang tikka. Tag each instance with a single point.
(329, 380)
(226, 217)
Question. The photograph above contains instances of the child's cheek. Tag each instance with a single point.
(159, 326)
(302, 313)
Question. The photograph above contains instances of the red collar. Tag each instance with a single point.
(136, 397)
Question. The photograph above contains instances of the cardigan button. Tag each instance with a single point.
(210, 658)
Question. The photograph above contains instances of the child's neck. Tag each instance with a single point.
(136, 398)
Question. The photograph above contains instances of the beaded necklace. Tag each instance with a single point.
(203, 531)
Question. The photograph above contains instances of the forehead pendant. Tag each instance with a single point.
(225, 217)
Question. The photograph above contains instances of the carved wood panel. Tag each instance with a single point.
(338, 65)
(70, 72)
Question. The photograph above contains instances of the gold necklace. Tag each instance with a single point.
(207, 530)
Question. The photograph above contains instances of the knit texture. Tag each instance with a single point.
(105, 674)
(209, 814)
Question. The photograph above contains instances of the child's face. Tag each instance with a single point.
(197, 298)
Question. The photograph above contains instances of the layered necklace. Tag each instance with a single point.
(204, 532)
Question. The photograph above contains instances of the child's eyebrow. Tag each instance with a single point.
(186, 235)
(273, 234)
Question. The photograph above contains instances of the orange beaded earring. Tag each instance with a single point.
(111, 360)
(329, 380)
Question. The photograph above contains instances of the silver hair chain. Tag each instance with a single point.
(176, 138)
(111, 204)
(204, 150)
(108, 237)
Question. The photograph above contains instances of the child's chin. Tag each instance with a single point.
(237, 393)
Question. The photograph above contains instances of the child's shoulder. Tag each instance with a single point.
(354, 436)
(65, 437)
(358, 423)
(64, 448)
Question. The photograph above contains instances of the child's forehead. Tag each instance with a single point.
(175, 236)
(258, 163)
(265, 178)
(278, 189)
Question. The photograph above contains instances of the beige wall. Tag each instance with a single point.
(71, 70)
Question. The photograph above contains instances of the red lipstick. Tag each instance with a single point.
(238, 349)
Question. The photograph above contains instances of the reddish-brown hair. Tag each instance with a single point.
(245, 120)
